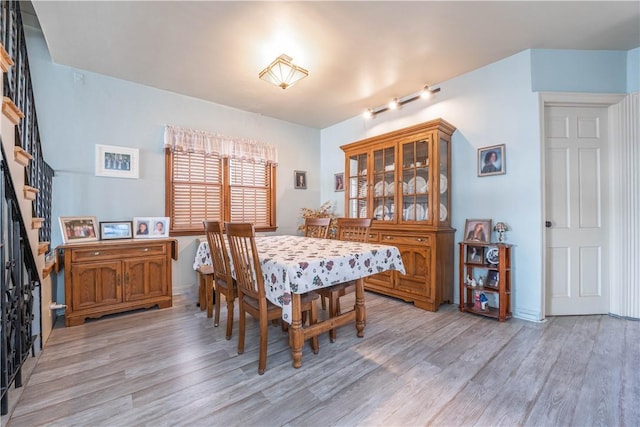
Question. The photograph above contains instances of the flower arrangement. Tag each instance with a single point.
(326, 210)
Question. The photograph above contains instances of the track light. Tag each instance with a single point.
(395, 103)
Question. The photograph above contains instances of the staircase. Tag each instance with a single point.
(25, 213)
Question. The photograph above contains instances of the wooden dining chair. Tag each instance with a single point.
(223, 283)
(355, 230)
(251, 291)
(317, 227)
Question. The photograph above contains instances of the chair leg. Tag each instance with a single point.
(313, 319)
(264, 339)
(202, 296)
(209, 289)
(229, 317)
(333, 302)
(216, 293)
(241, 329)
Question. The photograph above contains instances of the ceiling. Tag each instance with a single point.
(359, 54)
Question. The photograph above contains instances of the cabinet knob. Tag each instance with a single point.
(388, 237)
(145, 250)
(95, 253)
(419, 239)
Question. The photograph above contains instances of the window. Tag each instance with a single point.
(200, 186)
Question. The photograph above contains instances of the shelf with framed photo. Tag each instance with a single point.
(485, 280)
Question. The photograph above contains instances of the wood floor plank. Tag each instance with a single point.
(171, 367)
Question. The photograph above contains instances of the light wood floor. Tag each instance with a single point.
(172, 367)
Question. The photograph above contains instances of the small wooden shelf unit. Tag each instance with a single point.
(470, 268)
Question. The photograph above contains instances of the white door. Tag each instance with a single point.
(576, 192)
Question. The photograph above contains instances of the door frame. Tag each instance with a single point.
(570, 99)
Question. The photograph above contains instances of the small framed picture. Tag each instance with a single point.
(493, 279)
(477, 230)
(491, 160)
(78, 229)
(111, 230)
(300, 180)
(117, 162)
(475, 254)
(338, 182)
(151, 227)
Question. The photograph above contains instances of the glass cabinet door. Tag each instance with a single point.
(358, 186)
(384, 184)
(415, 181)
(443, 181)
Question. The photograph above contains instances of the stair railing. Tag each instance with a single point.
(20, 276)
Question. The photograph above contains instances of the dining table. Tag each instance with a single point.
(294, 265)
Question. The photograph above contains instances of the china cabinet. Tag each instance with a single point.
(113, 276)
(485, 279)
(402, 180)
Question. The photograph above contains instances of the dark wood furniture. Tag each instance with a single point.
(402, 180)
(251, 292)
(492, 263)
(317, 227)
(355, 230)
(114, 276)
(222, 281)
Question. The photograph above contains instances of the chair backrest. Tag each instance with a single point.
(316, 227)
(218, 250)
(354, 229)
(246, 263)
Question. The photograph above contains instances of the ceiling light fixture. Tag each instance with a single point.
(281, 72)
(396, 103)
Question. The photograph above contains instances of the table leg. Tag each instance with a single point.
(295, 331)
(361, 313)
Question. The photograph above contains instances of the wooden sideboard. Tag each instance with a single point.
(402, 180)
(114, 276)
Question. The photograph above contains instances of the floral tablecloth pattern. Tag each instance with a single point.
(295, 264)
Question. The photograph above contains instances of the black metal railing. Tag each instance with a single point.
(20, 276)
(18, 281)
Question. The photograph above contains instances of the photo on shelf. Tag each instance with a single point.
(475, 255)
(492, 279)
(477, 230)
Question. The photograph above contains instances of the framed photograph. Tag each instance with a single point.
(78, 228)
(117, 162)
(491, 160)
(475, 254)
(151, 227)
(300, 180)
(338, 182)
(477, 230)
(493, 279)
(111, 230)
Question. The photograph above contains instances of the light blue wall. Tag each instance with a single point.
(497, 104)
(633, 70)
(489, 106)
(602, 71)
(78, 109)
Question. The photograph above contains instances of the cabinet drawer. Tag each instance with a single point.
(117, 252)
(404, 239)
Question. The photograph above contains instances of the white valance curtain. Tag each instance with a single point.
(196, 141)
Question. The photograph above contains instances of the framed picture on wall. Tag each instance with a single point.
(491, 160)
(338, 182)
(117, 162)
(300, 180)
(78, 228)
